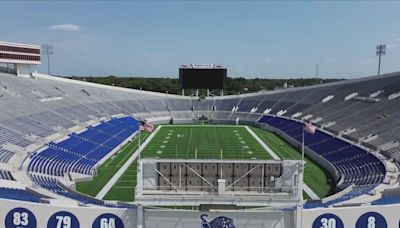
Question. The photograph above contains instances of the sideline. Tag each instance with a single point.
(103, 192)
(265, 146)
(306, 188)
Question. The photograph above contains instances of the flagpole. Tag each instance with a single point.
(139, 143)
(302, 147)
(303, 167)
(221, 164)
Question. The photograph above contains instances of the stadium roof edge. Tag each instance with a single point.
(348, 81)
(19, 44)
(122, 89)
(117, 88)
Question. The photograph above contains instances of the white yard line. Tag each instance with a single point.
(306, 188)
(310, 192)
(123, 159)
(261, 142)
(122, 170)
(188, 146)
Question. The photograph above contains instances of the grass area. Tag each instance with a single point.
(314, 176)
(184, 141)
(108, 169)
(124, 189)
(305, 196)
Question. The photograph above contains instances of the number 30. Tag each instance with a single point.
(329, 223)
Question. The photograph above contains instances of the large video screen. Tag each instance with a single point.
(202, 78)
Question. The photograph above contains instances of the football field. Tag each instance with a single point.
(202, 142)
(191, 141)
(205, 142)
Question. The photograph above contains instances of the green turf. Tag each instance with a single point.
(183, 141)
(306, 196)
(124, 189)
(108, 169)
(314, 176)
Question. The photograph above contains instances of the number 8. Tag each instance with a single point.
(371, 222)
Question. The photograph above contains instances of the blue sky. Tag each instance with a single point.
(253, 39)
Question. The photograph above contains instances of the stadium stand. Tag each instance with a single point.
(80, 152)
(5, 175)
(354, 165)
(19, 194)
(53, 185)
(62, 126)
(389, 196)
(5, 155)
(11, 136)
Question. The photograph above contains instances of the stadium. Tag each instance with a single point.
(76, 150)
(75, 153)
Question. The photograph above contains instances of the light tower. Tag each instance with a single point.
(47, 49)
(380, 50)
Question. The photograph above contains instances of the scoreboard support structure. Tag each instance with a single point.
(197, 182)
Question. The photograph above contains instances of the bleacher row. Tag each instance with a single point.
(19, 194)
(353, 164)
(5, 155)
(53, 185)
(5, 175)
(80, 152)
(389, 196)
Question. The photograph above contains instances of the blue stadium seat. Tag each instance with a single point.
(19, 194)
(355, 165)
(80, 152)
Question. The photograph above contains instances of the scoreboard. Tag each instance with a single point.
(202, 76)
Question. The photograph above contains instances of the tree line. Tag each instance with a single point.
(237, 85)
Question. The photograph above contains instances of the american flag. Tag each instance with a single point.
(146, 127)
(309, 128)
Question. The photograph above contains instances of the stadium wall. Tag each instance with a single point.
(46, 213)
(41, 215)
(244, 219)
(359, 217)
(381, 216)
(233, 122)
(184, 121)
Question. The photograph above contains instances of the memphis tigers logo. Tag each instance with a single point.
(218, 222)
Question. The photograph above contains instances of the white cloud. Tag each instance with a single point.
(65, 27)
(267, 60)
(391, 46)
